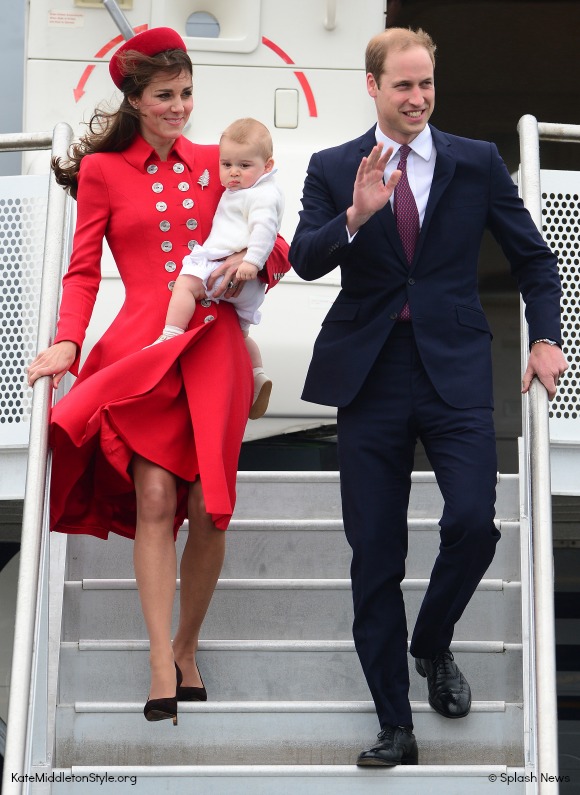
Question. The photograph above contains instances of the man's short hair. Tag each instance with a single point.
(391, 40)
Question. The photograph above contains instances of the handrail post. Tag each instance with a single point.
(17, 739)
(543, 567)
(536, 433)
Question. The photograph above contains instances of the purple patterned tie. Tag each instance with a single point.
(406, 216)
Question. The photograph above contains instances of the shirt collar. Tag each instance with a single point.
(422, 145)
(263, 178)
(139, 153)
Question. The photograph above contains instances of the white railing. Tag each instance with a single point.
(536, 431)
(34, 541)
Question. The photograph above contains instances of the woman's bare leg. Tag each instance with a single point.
(155, 567)
(200, 568)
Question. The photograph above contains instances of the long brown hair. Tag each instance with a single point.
(113, 131)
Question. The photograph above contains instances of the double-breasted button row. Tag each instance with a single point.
(158, 187)
(179, 168)
(162, 206)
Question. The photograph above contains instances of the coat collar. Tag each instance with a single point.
(139, 153)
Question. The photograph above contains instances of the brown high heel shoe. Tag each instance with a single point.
(190, 693)
(164, 708)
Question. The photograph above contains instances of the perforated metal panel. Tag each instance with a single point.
(23, 205)
(561, 230)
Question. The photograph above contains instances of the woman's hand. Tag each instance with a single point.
(228, 287)
(54, 361)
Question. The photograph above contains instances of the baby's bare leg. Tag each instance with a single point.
(253, 350)
(182, 304)
(262, 384)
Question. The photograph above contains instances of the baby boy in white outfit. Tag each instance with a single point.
(248, 216)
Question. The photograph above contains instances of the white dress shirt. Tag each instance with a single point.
(420, 165)
(420, 168)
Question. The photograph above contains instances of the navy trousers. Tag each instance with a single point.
(377, 435)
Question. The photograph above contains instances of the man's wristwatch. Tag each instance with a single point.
(547, 341)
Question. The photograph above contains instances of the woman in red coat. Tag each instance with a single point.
(148, 436)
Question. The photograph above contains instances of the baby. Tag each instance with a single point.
(248, 216)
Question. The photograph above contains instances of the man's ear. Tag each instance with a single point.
(372, 86)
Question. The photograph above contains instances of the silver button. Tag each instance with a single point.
(170, 266)
(192, 244)
(205, 302)
(188, 203)
(157, 187)
(166, 246)
(191, 223)
(152, 169)
(208, 318)
(183, 186)
(165, 226)
(171, 285)
(161, 207)
(179, 168)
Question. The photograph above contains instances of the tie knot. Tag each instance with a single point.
(404, 154)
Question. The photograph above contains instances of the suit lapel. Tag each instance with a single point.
(385, 217)
(444, 171)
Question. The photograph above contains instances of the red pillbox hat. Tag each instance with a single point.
(150, 42)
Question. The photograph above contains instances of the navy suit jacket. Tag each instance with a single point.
(471, 191)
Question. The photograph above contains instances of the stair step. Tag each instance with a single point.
(288, 548)
(274, 670)
(311, 609)
(227, 733)
(263, 495)
(277, 651)
(337, 779)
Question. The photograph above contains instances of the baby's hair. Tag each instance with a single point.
(250, 131)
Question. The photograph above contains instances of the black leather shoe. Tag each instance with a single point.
(164, 708)
(190, 693)
(396, 746)
(449, 691)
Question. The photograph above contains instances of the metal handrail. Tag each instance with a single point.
(18, 735)
(25, 142)
(537, 444)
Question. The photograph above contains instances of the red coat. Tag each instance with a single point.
(182, 404)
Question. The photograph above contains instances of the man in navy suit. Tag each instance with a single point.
(405, 353)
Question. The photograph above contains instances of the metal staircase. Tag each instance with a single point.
(286, 690)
